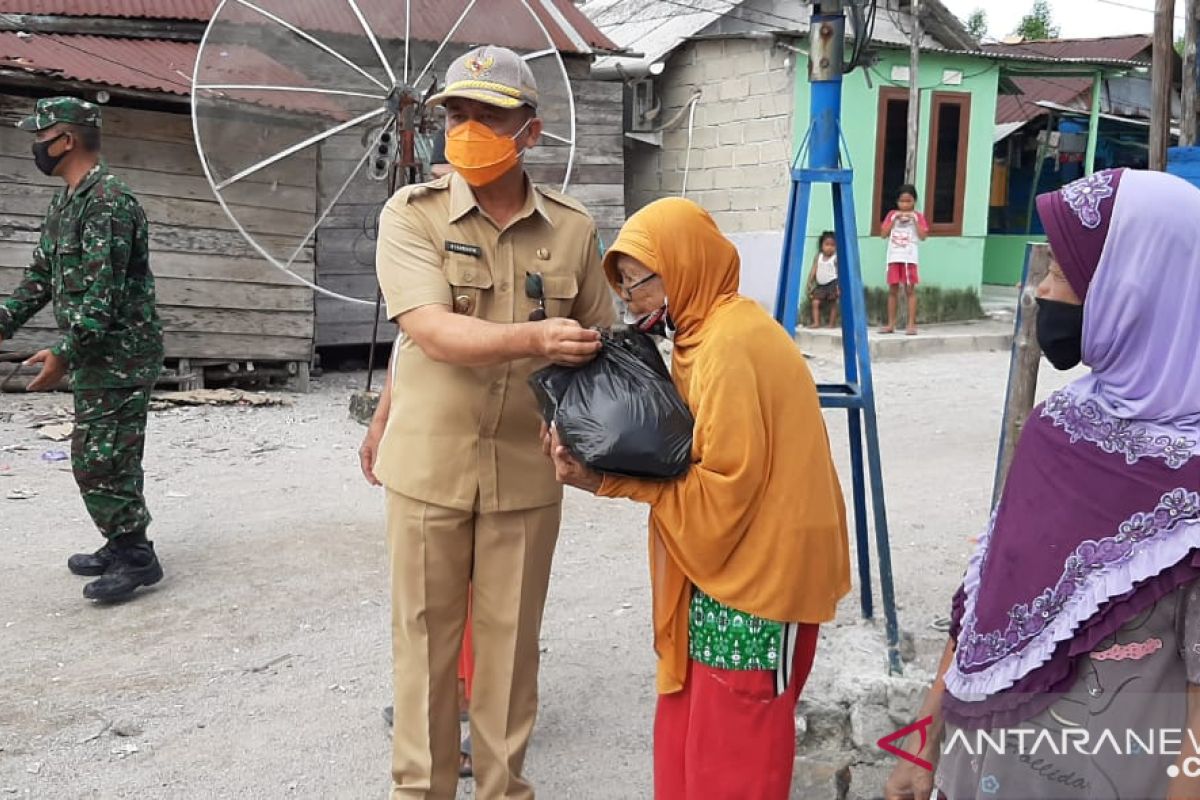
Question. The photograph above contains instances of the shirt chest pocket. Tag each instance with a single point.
(469, 280)
(68, 265)
(561, 289)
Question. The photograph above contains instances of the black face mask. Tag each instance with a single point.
(1060, 332)
(42, 158)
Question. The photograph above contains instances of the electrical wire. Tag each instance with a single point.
(1133, 7)
(889, 81)
(858, 24)
(673, 121)
(725, 13)
(905, 32)
(687, 161)
(863, 38)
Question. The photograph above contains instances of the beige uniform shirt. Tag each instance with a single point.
(467, 437)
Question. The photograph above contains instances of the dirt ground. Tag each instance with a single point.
(258, 667)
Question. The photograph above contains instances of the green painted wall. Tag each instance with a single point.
(1004, 258)
(950, 262)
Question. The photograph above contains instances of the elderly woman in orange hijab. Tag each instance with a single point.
(748, 551)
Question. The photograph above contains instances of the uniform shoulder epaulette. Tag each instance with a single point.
(418, 190)
(563, 199)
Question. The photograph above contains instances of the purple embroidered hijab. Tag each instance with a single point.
(1100, 516)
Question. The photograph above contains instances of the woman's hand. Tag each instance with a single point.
(568, 470)
(909, 782)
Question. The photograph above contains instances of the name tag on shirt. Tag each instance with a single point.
(464, 249)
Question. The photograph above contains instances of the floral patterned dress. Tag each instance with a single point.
(1127, 712)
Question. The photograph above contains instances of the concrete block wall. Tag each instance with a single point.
(741, 140)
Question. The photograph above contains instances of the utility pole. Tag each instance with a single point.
(1187, 127)
(1162, 59)
(914, 95)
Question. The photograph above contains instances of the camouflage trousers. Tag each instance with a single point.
(106, 457)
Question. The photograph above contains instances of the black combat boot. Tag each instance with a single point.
(135, 565)
(92, 564)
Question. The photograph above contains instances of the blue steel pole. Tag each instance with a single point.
(827, 31)
(826, 57)
(827, 36)
(843, 209)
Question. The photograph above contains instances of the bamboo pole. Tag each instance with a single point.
(1024, 366)
(1162, 60)
(1187, 127)
(914, 96)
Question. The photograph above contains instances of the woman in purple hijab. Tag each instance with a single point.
(1073, 665)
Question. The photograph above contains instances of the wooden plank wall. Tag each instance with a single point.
(345, 245)
(598, 173)
(218, 298)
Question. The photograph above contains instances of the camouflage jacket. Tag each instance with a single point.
(93, 261)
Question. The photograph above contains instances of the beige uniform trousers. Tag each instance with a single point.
(505, 557)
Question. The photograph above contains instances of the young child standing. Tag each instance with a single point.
(823, 280)
(903, 227)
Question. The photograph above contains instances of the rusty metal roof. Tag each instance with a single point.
(1014, 108)
(504, 22)
(151, 65)
(146, 64)
(1126, 48)
(144, 9)
(1023, 107)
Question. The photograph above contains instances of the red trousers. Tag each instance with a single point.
(727, 736)
(466, 657)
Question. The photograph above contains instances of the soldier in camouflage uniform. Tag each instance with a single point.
(92, 261)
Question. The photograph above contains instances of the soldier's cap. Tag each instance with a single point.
(51, 111)
(493, 75)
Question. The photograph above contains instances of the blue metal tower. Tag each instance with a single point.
(827, 31)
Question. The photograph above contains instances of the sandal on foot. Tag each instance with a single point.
(464, 759)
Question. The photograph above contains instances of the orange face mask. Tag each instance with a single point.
(479, 154)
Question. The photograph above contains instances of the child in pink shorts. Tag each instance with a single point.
(904, 227)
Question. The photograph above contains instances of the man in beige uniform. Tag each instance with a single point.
(490, 278)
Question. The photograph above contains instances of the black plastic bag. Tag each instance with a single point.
(620, 414)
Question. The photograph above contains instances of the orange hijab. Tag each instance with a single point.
(758, 522)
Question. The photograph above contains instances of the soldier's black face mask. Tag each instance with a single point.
(42, 158)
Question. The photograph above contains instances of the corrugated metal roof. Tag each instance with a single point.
(492, 21)
(154, 65)
(1075, 112)
(1033, 58)
(1023, 107)
(654, 28)
(1126, 48)
(1013, 108)
(1006, 129)
(146, 9)
(146, 64)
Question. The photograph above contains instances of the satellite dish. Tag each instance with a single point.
(308, 114)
